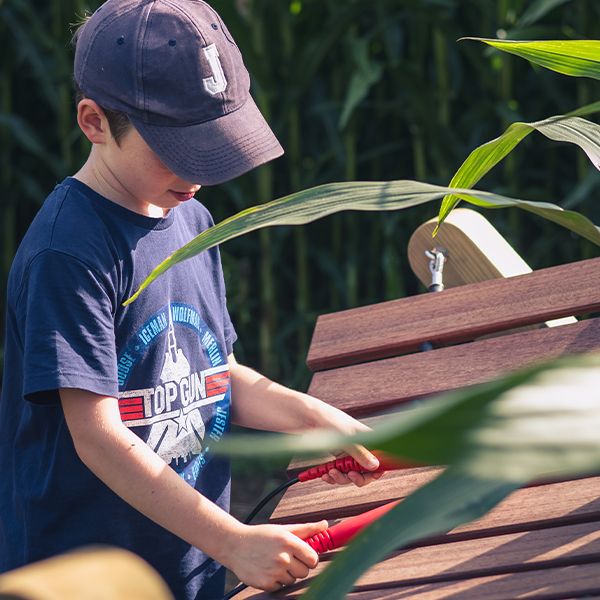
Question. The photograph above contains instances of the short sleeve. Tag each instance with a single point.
(66, 311)
(229, 332)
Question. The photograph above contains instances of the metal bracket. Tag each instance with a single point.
(437, 258)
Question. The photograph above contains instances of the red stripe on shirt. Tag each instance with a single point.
(218, 377)
(131, 401)
(216, 391)
(132, 416)
(220, 383)
(130, 409)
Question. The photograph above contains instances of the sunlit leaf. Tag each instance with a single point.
(565, 128)
(577, 58)
(541, 421)
(313, 203)
(547, 424)
(450, 500)
(537, 423)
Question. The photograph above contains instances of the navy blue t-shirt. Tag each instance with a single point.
(164, 357)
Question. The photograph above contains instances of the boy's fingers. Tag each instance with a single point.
(287, 579)
(358, 479)
(302, 551)
(364, 457)
(298, 569)
(305, 530)
(338, 477)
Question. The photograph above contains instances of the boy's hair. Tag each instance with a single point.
(118, 122)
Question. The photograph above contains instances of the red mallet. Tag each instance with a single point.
(339, 535)
(346, 464)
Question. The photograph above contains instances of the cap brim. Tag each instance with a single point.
(215, 151)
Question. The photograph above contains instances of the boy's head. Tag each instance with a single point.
(172, 70)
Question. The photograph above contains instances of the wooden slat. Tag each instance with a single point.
(318, 500)
(562, 503)
(365, 388)
(577, 581)
(544, 584)
(511, 553)
(455, 315)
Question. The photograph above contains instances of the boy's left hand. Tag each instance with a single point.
(364, 458)
(333, 418)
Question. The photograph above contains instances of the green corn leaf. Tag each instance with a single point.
(577, 58)
(450, 500)
(311, 204)
(565, 128)
(30, 141)
(522, 426)
(525, 426)
(495, 437)
(367, 73)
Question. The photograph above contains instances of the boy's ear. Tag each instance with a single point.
(92, 121)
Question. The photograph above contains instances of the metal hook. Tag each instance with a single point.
(437, 258)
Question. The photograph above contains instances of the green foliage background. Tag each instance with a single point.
(355, 90)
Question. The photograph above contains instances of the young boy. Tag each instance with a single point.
(108, 412)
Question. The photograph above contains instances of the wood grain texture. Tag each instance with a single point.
(554, 503)
(318, 500)
(509, 553)
(475, 251)
(512, 553)
(368, 387)
(455, 315)
(576, 581)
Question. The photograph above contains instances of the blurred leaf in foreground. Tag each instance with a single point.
(545, 418)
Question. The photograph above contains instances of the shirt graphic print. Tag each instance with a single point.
(187, 407)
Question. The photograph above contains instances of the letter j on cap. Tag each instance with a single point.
(217, 83)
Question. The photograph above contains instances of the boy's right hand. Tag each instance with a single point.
(268, 557)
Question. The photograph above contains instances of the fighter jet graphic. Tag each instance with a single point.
(176, 365)
(180, 437)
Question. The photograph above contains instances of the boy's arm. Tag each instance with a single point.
(264, 556)
(259, 403)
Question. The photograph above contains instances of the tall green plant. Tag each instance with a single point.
(434, 101)
(577, 58)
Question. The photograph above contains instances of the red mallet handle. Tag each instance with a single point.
(339, 535)
(345, 464)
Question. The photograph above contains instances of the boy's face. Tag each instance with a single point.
(145, 181)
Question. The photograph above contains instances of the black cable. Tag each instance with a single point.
(281, 488)
(284, 486)
(234, 591)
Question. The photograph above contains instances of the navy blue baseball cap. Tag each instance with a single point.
(174, 69)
